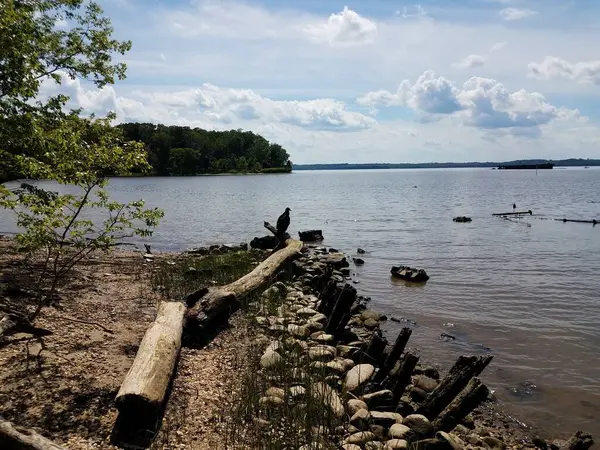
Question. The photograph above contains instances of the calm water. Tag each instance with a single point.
(530, 295)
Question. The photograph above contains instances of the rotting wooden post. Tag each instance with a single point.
(328, 297)
(465, 368)
(372, 352)
(579, 441)
(13, 437)
(342, 307)
(395, 354)
(403, 377)
(470, 398)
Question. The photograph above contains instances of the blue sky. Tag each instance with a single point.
(365, 81)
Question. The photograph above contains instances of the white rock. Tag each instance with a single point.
(399, 431)
(329, 397)
(354, 405)
(396, 444)
(360, 438)
(270, 359)
(358, 375)
(306, 312)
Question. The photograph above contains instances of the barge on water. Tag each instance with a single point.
(527, 166)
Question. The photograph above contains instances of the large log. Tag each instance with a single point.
(470, 398)
(18, 438)
(219, 303)
(465, 368)
(144, 389)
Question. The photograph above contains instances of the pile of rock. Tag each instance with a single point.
(410, 274)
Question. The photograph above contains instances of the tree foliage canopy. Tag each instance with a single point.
(175, 150)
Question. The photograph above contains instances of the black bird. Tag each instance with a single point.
(283, 222)
(514, 206)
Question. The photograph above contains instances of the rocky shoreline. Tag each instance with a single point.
(371, 395)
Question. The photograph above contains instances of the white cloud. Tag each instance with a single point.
(587, 72)
(480, 102)
(497, 47)
(516, 13)
(61, 24)
(412, 11)
(471, 62)
(346, 27)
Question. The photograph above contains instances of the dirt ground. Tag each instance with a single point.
(64, 386)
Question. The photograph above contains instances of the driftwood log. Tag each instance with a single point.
(465, 368)
(220, 302)
(145, 386)
(18, 438)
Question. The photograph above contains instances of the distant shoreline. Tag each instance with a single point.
(447, 165)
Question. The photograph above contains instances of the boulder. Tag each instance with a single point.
(275, 392)
(396, 444)
(271, 401)
(264, 243)
(326, 395)
(378, 398)
(360, 251)
(386, 419)
(311, 235)
(453, 441)
(270, 359)
(410, 274)
(425, 383)
(358, 261)
(351, 447)
(462, 219)
(297, 391)
(374, 445)
(399, 431)
(360, 438)
(371, 324)
(321, 353)
(358, 375)
(355, 404)
(494, 443)
(360, 419)
(419, 424)
(298, 331)
(337, 260)
(306, 312)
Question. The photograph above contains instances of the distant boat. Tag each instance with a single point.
(527, 166)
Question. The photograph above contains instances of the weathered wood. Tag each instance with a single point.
(372, 353)
(403, 377)
(465, 368)
(342, 307)
(579, 441)
(220, 302)
(395, 354)
(14, 437)
(328, 297)
(593, 221)
(516, 213)
(12, 323)
(470, 398)
(145, 386)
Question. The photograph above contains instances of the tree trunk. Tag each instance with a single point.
(18, 438)
(579, 441)
(220, 302)
(145, 386)
(470, 398)
(465, 368)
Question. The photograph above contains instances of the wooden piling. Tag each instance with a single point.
(403, 377)
(342, 307)
(395, 354)
(469, 398)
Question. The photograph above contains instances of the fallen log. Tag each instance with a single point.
(470, 398)
(19, 438)
(465, 368)
(579, 441)
(142, 394)
(220, 302)
(516, 213)
(593, 221)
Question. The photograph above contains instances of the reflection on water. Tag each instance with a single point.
(529, 295)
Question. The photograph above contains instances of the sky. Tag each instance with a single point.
(364, 81)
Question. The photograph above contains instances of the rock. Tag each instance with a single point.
(361, 419)
(354, 405)
(369, 314)
(310, 236)
(462, 219)
(386, 419)
(299, 331)
(345, 271)
(260, 422)
(417, 394)
(494, 443)
(377, 398)
(271, 401)
(312, 446)
(337, 366)
(371, 323)
(473, 439)
(346, 351)
(374, 445)
(321, 353)
(264, 243)
(358, 261)
(432, 444)
(539, 443)
(378, 431)
(325, 338)
(425, 383)
(351, 447)
(461, 429)
(409, 274)
(358, 375)
(319, 318)
(337, 260)
(270, 359)
(399, 431)
(419, 424)
(404, 407)
(330, 398)
(275, 392)
(306, 312)
(360, 251)
(297, 391)
(360, 438)
(396, 444)
(453, 441)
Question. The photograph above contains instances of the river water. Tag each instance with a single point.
(526, 291)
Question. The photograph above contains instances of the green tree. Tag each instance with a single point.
(41, 139)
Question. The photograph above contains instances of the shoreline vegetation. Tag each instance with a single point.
(300, 364)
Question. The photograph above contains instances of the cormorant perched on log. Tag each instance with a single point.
(283, 222)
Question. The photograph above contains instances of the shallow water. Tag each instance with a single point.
(526, 291)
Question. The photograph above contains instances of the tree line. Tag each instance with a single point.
(177, 150)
